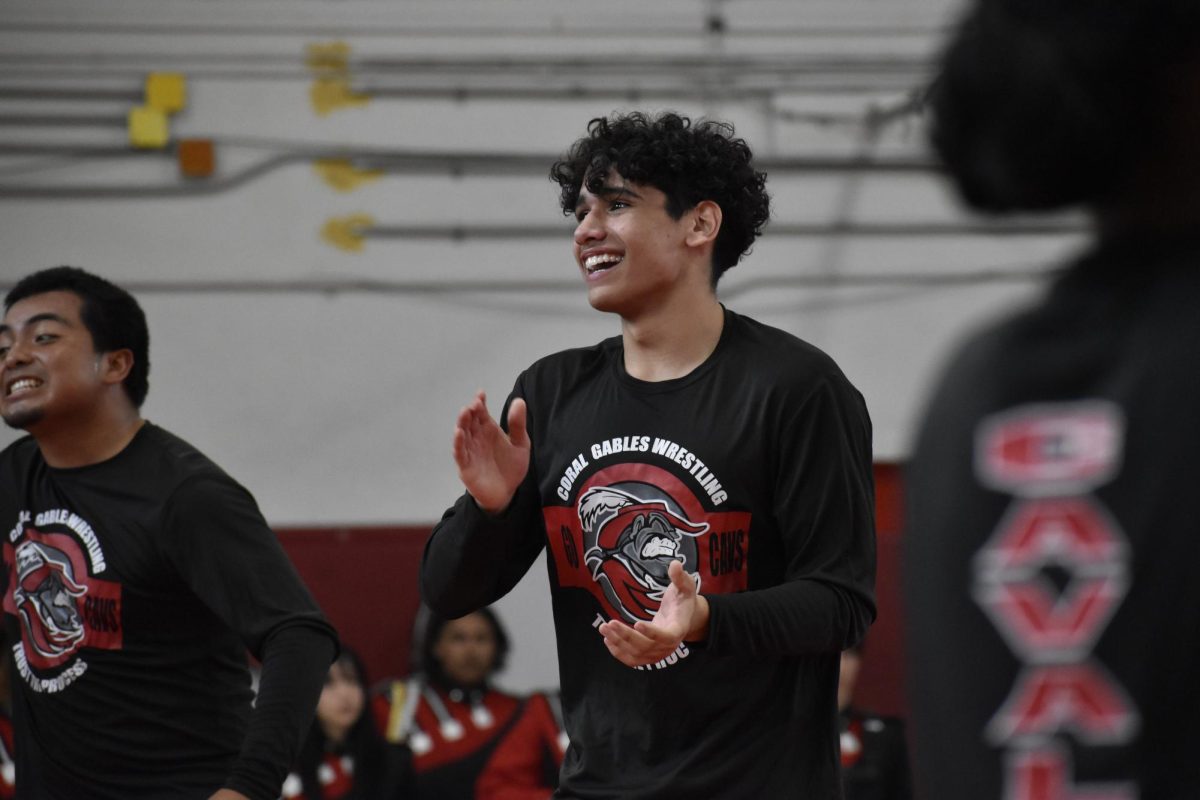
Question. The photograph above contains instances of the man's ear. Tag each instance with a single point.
(114, 366)
(706, 223)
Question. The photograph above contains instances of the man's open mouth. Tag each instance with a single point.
(20, 385)
(601, 262)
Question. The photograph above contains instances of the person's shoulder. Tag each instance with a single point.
(544, 703)
(578, 356)
(766, 342)
(173, 460)
(504, 704)
(781, 357)
(16, 461)
(19, 454)
(498, 692)
(174, 450)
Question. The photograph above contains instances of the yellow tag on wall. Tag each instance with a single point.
(330, 94)
(343, 175)
(166, 91)
(328, 57)
(347, 233)
(148, 129)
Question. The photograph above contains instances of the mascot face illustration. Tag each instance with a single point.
(631, 542)
(47, 597)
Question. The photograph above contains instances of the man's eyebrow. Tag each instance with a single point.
(46, 316)
(615, 191)
(608, 192)
(51, 316)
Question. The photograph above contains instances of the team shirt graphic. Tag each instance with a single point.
(52, 559)
(632, 542)
(624, 524)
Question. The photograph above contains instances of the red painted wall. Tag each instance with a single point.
(366, 581)
(881, 683)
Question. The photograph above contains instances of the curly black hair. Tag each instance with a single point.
(1043, 104)
(687, 161)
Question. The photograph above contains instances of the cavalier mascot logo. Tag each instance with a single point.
(47, 598)
(631, 541)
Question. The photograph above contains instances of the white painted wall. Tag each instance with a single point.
(337, 407)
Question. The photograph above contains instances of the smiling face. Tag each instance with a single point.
(631, 250)
(49, 368)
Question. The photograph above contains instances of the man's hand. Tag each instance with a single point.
(228, 794)
(683, 614)
(491, 464)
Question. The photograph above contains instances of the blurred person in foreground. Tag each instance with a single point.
(136, 576)
(344, 757)
(450, 715)
(702, 483)
(874, 751)
(1052, 538)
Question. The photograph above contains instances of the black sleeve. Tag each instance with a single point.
(473, 559)
(295, 663)
(222, 548)
(825, 508)
(901, 784)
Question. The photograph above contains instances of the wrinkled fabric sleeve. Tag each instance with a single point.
(472, 559)
(219, 543)
(825, 510)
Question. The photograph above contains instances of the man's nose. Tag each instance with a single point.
(589, 229)
(16, 354)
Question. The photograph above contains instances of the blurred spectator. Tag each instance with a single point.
(8, 773)
(873, 749)
(344, 757)
(450, 716)
(1051, 546)
(8, 779)
(525, 764)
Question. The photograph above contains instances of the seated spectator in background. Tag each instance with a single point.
(449, 715)
(525, 764)
(344, 757)
(874, 753)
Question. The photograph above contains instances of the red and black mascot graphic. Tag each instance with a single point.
(631, 541)
(47, 597)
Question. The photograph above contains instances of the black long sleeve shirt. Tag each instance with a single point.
(133, 590)
(755, 471)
